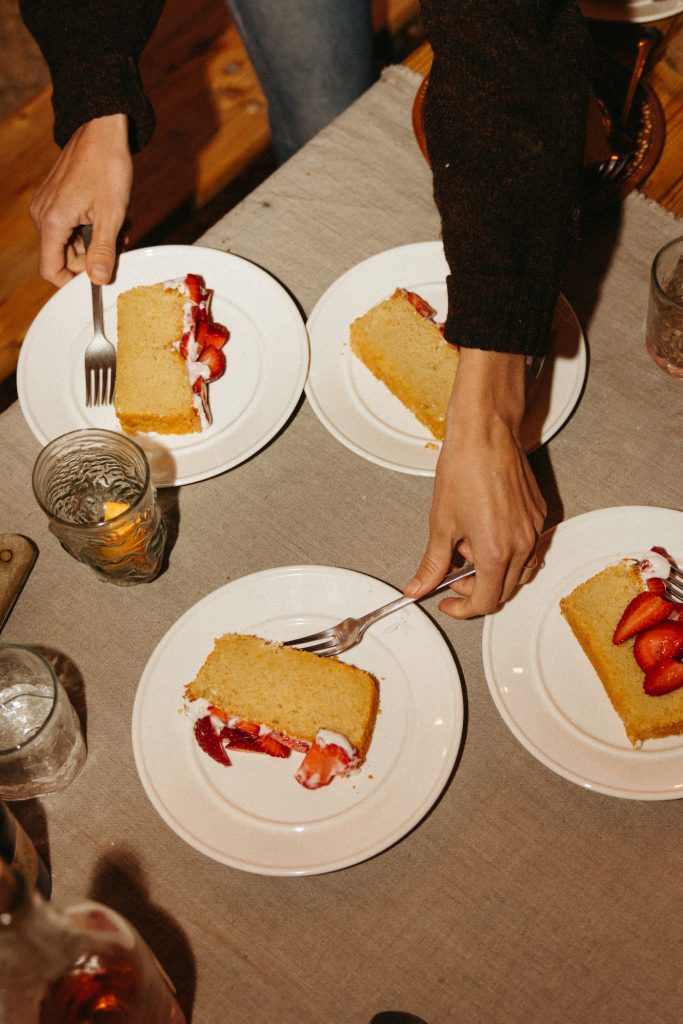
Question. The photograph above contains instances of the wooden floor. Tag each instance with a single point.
(196, 63)
(212, 137)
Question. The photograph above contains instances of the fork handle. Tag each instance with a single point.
(400, 602)
(97, 310)
(645, 46)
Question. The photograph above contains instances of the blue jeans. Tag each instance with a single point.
(313, 58)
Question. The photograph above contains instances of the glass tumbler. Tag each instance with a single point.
(41, 744)
(95, 487)
(664, 330)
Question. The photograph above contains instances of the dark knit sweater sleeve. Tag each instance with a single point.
(505, 115)
(92, 49)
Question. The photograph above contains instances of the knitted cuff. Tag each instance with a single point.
(500, 315)
(109, 85)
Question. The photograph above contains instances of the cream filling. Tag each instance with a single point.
(194, 367)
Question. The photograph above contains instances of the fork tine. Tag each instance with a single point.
(98, 388)
(88, 386)
(323, 650)
(112, 384)
(325, 634)
(104, 382)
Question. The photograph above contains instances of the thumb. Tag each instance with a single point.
(101, 255)
(435, 563)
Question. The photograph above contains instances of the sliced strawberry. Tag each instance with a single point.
(215, 360)
(251, 727)
(662, 551)
(645, 610)
(423, 307)
(235, 739)
(664, 677)
(200, 388)
(213, 335)
(218, 713)
(321, 764)
(184, 345)
(238, 739)
(210, 741)
(288, 741)
(269, 745)
(658, 643)
(656, 586)
(195, 287)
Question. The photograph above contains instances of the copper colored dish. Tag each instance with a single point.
(646, 126)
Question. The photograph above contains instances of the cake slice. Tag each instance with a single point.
(622, 621)
(168, 352)
(402, 345)
(281, 697)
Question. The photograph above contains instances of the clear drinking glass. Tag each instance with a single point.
(665, 309)
(96, 488)
(41, 744)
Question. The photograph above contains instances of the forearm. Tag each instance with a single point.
(489, 385)
(92, 51)
(504, 120)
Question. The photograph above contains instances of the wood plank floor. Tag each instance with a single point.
(211, 146)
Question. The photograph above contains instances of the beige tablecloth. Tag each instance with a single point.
(521, 896)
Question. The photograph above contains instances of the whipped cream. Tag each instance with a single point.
(654, 566)
(200, 708)
(234, 723)
(195, 369)
(325, 737)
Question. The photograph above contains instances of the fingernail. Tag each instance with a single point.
(99, 271)
(412, 587)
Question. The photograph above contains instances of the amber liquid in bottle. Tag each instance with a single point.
(94, 991)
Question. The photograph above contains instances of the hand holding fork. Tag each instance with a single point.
(330, 642)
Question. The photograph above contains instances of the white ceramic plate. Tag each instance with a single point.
(267, 361)
(544, 685)
(254, 815)
(363, 414)
(630, 10)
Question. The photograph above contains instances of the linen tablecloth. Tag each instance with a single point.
(521, 896)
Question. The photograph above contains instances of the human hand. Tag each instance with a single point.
(89, 183)
(486, 501)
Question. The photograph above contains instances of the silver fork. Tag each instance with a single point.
(100, 355)
(346, 634)
(673, 586)
(623, 147)
(612, 168)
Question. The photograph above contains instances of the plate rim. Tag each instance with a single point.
(427, 250)
(628, 12)
(583, 779)
(420, 811)
(196, 253)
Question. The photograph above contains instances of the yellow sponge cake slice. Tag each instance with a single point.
(401, 345)
(153, 391)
